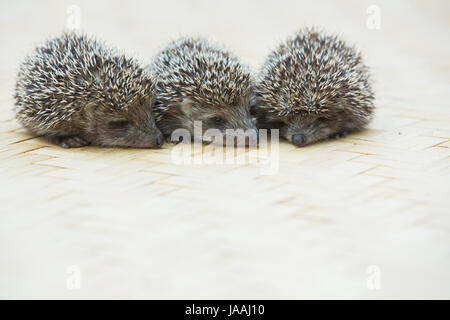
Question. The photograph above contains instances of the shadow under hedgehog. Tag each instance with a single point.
(200, 81)
(75, 91)
(313, 87)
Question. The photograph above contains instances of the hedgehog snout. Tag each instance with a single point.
(145, 136)
(298, 139)
(154, 141)
(159, 140)
(151, 141)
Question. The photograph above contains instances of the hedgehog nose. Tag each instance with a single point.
(159, 141)
(298, 139)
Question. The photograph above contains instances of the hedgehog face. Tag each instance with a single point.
(213, 119)
(133, 127)
(309, 120)
(303, 129)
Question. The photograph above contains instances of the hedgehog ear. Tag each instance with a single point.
(186, 107)
(90, 109)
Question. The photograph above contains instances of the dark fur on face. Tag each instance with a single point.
(100, 125)
(313, 87)
(187, 113)
(133, 127)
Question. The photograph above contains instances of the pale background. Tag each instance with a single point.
(138, 226)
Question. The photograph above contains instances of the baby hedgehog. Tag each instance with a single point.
(313, 87)
(75, 91)
(201, 81)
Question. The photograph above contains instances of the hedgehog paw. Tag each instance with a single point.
(69, 141)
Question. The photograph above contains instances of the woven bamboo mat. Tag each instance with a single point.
(362, 217)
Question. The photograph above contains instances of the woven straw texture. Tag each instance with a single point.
(366, 216)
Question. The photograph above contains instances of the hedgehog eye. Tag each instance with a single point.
(118, 125)
(277, 124)
(218, 121)
(253, 110)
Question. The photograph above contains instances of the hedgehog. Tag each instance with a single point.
(313, 87)
(75, 90)
(202, 82)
